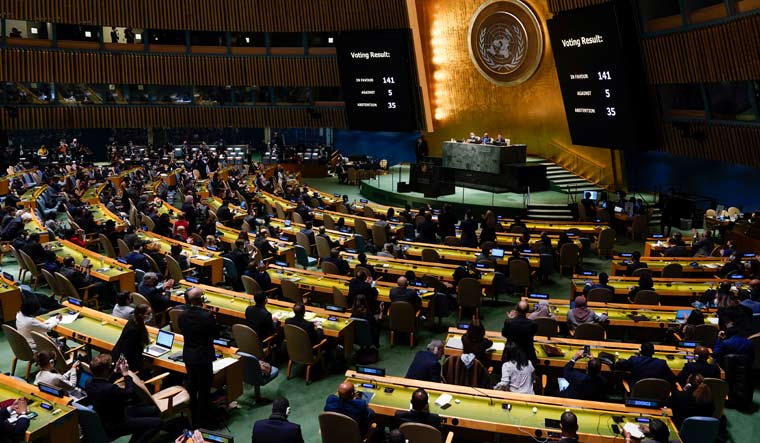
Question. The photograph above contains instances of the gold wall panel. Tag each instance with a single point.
(464, 101)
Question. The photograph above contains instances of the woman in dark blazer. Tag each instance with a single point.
(134, 338)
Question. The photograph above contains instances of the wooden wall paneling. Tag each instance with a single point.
(556, 6)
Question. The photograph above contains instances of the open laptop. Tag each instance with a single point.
(78, 393)
(497, 253)
(164, 342)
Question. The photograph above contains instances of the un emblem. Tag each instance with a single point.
(505, 41)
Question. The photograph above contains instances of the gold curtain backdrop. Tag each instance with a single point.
(26, 65)
(463, 100)
(217, 15)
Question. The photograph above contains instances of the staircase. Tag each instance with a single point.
(562, 180)
(550, 212)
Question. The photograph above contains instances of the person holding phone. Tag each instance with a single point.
(588, 385)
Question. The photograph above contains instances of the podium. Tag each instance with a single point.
(431, 179)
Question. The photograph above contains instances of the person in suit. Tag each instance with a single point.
(657, 431)
(224, 213)
(111, 402)
(634, 264)
(700, 365)
(361, 284)
(499, 140)
(521, 330)
(731, 342)
(259, 319)
(240, 258)
(263, 245)
(568, 424)
(362, 257)
(351, 403)
(277, 428)
(105, 292)
(421, 149)
(645, 365)
(469, 227)
(137, 259)
(588, 205)
(589, 385)
(340, 262)
(134, 338)
(315, 333)
(695, 400)
(603, 283)
(702, 244)
(322, 232)
(486, 140)
(674, 249)
(155, 292)
(734, 265)
(15, 430)
(199, 329)
(402, 293)
(426, 230)
(34, 249)
(472, 138)
(420, 412)
(308, 231)
(474, 341)
(426, 365)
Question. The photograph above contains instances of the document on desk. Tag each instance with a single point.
(68, 318)
(455, 343)
(497, 347)
(443, 400)
(222, 363)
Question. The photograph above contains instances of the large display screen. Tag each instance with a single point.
(378, 81)
(591, 65)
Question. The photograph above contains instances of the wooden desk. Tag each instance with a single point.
(35, 226)
(286, 251)
(480, 412)
(344, 239)
(203, 258)
(101, 331)
(655, 247)
(214, 203)
(92, 194)
(233, 304)
(396, 228)
(112, 270)
(101, 214)
(706, 266)
(457, 254)
(587, 228)
(63, 427)
(118, 179)
(324, 283)
(10, 299)
(29, 198)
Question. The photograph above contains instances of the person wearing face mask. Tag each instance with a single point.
(277, 428)
(134, 338)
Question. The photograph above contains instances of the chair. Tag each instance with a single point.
(360, 245)
(369, 212)
(90, 424)
(733, 210)
(169, 402)
(455, 372)
(646, 297)
(292, 292)
(421, 433)
(602, 295)
(430, 255)
(700, 430)
(605, 242)
(360, 227)
(569, 256)
(174, 315)
(107, 246)
(323, 248)
(55, 288)
(673, 270)
(296, 217)
(31, 266)
(639, 226)
(641, 271)
(706, 334)
(153, 264)
(230, 271)
(123, 248)
(280, 211)
(589, 331)
(340, 207)
(469, 295)
(303, 258)
(402, 318)
(252, 374)
(328, 221)
(70, 291)
(330, 268)
(148, 223)
(755, 339)
(519, 275)
(62, 363)
(339, 428)
(22, 270)
(252, 286)
(547, 327)
(351, 178)
(173, 269)
(362, 333)
(379, 236)
(139, 299)
(248, 341)
(21, 350)
(301, 351)
(652, 389)
(197, 239)
(719, 390)
(451, 240)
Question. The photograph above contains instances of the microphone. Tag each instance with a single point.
(490, 399)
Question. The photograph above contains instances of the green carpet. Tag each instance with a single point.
(307, 401)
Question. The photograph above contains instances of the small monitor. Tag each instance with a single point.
(191, 279)
(216, 437)
(589, 273)
(75, 301)
(47, 389)
(283, 238)
(526, 251)
(418, 283)
(497, 252)
(351, 251)
(538, 296)
(370, 370)
(344, 229)
(464, 326)
(336, 195)
(688, 344)
(736, 276)
(594, 195)
(334, 308)
(683, 314)
(83, 379)
(749, 255)
(222, 342)
(212, 248)
(165, 339)
(8, 276)
(642, 403)
(121, 260)
(658, 236)
(363, 200)
(626, 254)
(481, 265)
(287, 223)
(618, 210)
(281, 263)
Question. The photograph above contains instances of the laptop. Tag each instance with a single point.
(164, 342)
(682, 315)
(78, 393)
(497, 253)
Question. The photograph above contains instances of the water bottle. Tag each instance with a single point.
(102, 261)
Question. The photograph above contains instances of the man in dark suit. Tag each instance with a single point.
(277, 428)
(362, 257)
(263, 245)
(589, 385)
(155, 293)
(421, 150)
(675, 250)
(603, 283)
(645, 366)
(351, 403)
(403, 293)
(634, 264)
(15, 431)
(337, 260)
(315, 333)
(199, 329)
(34, 249)
(447, 222)
(191, 214)
(568, 424)
(700, 365)
(110, 402)
(361, 284)
(137, 259)
(426, 365)
(518, 328)
(308, 231)
(104, 292)
(240, 258)
(420, 412)
(259, 319)
(735, 265)
(224, 214)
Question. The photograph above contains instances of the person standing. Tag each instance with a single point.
(199, 329)
(521, 330)
(421, 149)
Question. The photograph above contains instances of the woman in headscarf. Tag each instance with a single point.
(582, 314)
(542, 311)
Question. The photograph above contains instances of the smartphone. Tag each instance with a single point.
(586, 350)
(615, 429)
(31, 415)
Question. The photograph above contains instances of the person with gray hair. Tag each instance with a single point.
(426, 365)
(156, 293)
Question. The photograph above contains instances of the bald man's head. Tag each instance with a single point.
(299, 310)
(419, 400)
(402, 282)
(346, 390)
(194, 297)
(522, 308)
(569, 424)
(702, 353)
